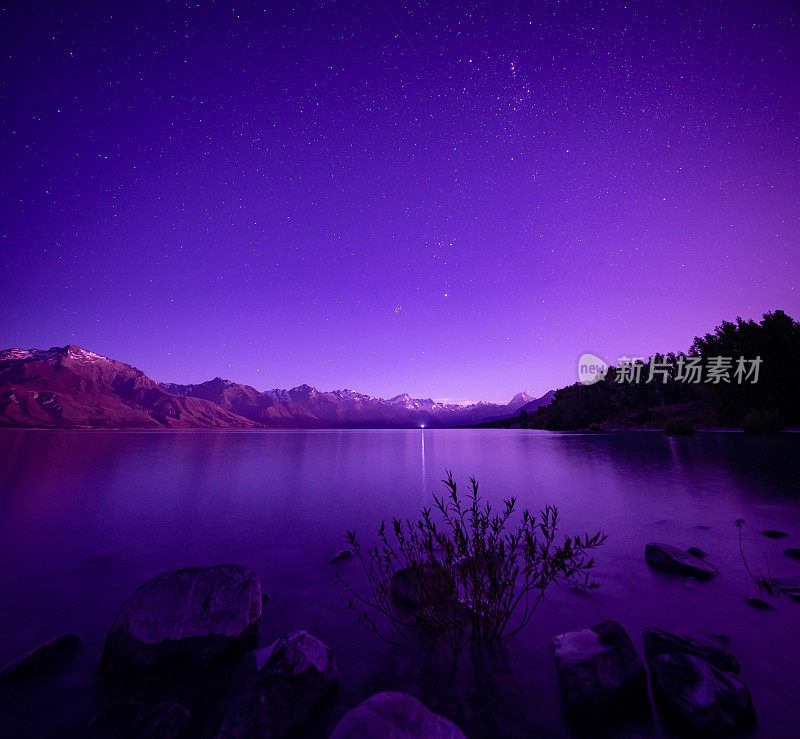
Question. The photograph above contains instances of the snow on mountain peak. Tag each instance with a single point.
(77, 352)
(70, 350)
(520, 399)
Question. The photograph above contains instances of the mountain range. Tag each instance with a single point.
(70, 387)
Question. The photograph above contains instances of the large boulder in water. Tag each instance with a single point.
(186, 616)
(41, 660)
(675, 561)
(599, 672)
(657, 641)
(394, 715)
(277, 690)
(131, 720)
(698, 697)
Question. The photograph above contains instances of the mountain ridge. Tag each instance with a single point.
(71, 387)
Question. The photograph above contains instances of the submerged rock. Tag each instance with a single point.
(657, 641)
(405, 590)
(395, 715)
(599, 672)
(343, 556)
(773, 534)
(278, 689)
(182, 617)
(792, 553)
(699, 697)
(675, 561)
(130, 720)
(414, 588)
(759, 604)
(41, 660)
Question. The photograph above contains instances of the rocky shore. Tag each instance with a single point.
(196, 629)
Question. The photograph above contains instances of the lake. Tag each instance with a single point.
(87, 516)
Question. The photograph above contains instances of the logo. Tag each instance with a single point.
(591, 368)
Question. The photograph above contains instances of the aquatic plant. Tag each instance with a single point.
(763, 583)
(477, 576)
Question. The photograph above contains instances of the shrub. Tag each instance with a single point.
(679, 426)
(764, 583)
(476, 578)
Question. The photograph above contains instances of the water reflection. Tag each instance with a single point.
(85, 517)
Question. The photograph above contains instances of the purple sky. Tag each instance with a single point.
(453, 200)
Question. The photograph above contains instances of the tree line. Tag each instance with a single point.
(763, 406)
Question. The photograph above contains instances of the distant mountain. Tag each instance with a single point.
(70, 387)
(307, 406)
(243, 400)
(520, 400)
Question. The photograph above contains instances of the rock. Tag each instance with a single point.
(760, 605)
(278, 689)
(184, 617)
(696, 552)
(698, 696)
(413, 589)
(41, 660)
(792, 553)
(674, 561)
(702, 527)
(599, 672)
(772, 534)
(395, 715)
(657, 641)
(131, 720)
(405, 593)
(343, 556)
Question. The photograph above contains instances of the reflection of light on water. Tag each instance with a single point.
(424, 476)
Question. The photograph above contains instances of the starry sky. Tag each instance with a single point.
(449, 199)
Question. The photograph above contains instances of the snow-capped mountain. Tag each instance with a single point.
(423, 404)
(69, 387)
(521, 399)
(66, 387)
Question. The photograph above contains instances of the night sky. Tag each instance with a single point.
(451, 200)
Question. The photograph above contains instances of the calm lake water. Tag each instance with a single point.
(86, 517)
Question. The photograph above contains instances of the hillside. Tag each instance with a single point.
(72, 388)
(766, 405)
